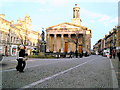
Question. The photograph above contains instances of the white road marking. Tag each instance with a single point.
(27, 67)
(62, 59)
(114, 77)
(50, 77)
(7, 70)
(51, 59)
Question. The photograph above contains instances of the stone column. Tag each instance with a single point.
(48, 43)
(69, 37)
(62, 42)
(55, 43)
(84, 42)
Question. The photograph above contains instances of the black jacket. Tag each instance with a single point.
(22, 53)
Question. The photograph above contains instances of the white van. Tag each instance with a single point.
(106, 53)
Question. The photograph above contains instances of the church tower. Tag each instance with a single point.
(76, 15)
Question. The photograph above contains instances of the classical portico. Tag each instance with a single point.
(63, 37)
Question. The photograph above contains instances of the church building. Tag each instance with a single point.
(67, 37)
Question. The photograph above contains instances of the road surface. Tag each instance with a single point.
(88, 72)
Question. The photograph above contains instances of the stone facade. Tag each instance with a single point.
(13, 34)
(118, 38)
(63, 37)
(109, 42)
(76, 15)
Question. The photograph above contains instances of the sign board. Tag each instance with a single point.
(14, 50)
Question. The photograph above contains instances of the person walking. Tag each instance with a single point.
(113, 53)
(17, 58)
(81, 55)
(118, 54)
(71, 54)
(86, 54)
(21, 62)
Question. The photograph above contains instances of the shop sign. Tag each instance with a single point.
(13, 50)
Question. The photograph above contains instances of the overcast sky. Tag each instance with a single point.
(101, 16)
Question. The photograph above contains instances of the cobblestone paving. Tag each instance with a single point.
(94, 74)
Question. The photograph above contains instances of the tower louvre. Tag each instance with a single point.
(76, 15)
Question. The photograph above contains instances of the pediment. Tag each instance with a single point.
(64, 25)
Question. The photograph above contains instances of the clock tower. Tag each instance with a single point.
(76, 15)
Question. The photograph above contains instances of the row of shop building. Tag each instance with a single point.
(109, 44)
(14, 34)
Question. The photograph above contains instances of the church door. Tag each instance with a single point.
(66, 47)
(80, 49)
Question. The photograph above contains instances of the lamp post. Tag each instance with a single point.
(9, 41)
(76, 43)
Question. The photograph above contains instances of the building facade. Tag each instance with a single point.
(110, 42)
(14, 34)
(27, 36)
(98, 46)
(8, 38)
(69, 37)
(118, 38)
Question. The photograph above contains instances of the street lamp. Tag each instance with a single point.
(76, 42)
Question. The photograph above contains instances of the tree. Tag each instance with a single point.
(23, 36)
(76, 42)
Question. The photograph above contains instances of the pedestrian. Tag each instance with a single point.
(118, 54)
(81, 55)
(57, 54)
(113, 53)
(71, 54)
(21, 59)
(17, 58)
(86, 54)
